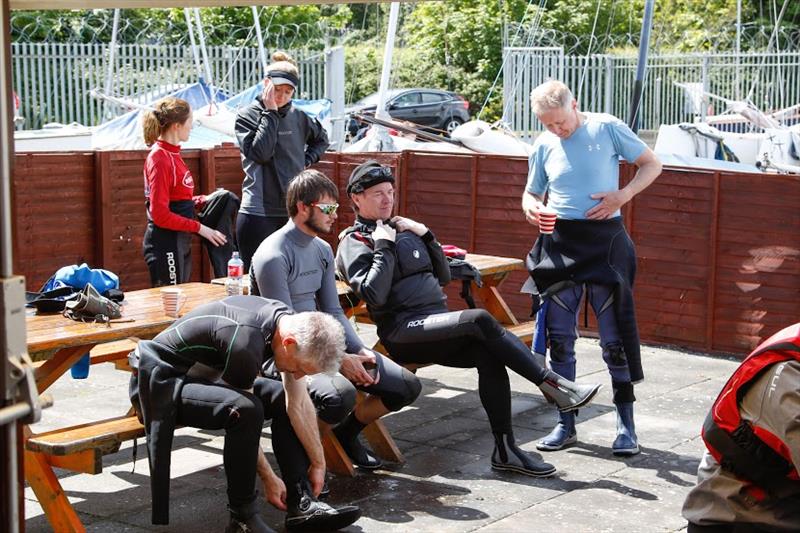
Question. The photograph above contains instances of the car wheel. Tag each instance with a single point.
(452, 124)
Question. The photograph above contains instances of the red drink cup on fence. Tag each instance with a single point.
(547, 220)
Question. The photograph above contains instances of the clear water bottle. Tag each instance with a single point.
(233, 285)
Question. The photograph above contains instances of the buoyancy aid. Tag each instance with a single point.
(750, 452)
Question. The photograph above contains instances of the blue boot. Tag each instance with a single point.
(563, 435)
(626, 443)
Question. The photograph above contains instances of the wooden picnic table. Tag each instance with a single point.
(58, 342)
(494, 271)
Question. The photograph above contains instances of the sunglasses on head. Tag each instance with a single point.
(328, 209)
(380, 172)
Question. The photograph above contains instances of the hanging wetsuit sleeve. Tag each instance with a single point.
(368, 272)
(257, 133)
(441, 268)
(316, 141)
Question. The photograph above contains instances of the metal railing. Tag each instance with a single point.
(53, 80)
(603, 83)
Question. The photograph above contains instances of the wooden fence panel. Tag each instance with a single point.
(53, 208)
(719, 254)
(758, 280)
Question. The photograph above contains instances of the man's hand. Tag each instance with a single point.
(316, 476)
(268, 96)
(610, 202)
(531, 206)
(406, 224)
(382, 231)
(274, 491)
(353, 368)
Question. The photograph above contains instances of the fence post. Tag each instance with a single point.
(102, 183)
(609, 85)
(704, 78)
(712, 265)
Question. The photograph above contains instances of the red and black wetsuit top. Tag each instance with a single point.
(167, 180)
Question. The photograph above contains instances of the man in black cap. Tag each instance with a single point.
(397, 267)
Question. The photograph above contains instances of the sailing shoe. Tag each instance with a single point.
(313, 515)
(567, 394)
(626, 443)
(563, 435)
(507, 456)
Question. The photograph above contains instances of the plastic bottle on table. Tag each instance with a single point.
(233, 285)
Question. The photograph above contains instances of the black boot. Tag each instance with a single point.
(507, 456)
(247, 519)
(347, 433)
(305, 513)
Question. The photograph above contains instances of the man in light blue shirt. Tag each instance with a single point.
(575, 165)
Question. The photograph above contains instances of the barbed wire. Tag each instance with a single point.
(97, 26)
(754, 38)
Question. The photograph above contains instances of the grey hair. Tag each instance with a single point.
(320, 339)
(550, 95)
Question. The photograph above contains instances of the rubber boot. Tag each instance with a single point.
(626, 443)
(507, 456)
(567, 394)
(563, 435)
(347, 433)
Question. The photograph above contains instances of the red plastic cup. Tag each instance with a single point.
(547, 220)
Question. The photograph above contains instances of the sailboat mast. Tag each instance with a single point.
(380, 111)
(641, 67)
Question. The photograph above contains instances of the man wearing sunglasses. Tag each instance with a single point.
(295, 266)
(398, 268)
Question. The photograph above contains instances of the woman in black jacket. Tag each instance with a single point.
(276, 141)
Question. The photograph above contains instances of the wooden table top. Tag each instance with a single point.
(49, 332)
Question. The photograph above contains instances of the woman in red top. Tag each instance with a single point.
(169, 190)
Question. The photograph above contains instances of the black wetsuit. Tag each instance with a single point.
(232, 339)
(401, 284)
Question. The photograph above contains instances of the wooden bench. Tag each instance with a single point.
(81, 448)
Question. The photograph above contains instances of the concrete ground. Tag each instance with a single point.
(446, 483)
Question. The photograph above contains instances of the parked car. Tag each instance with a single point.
(430, 108)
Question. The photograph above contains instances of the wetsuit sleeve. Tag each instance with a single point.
(272, 277)
(316, 142)
(159, 173)
(328, 302)
(368, 272)
(441, 268)
(257, 133)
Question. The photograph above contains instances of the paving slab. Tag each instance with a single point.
(446, 484)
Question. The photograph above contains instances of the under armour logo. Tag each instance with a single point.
(415, 253)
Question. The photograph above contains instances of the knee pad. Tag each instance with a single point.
(562, 350)
(614, 355)
(401, 392)
(334, 403)
(623, 392)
